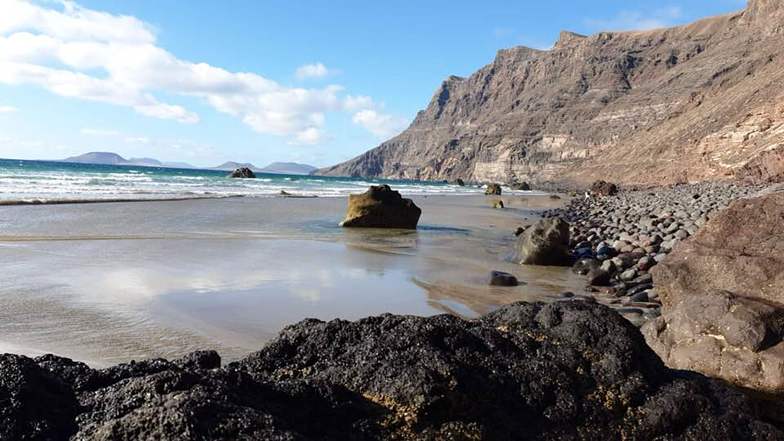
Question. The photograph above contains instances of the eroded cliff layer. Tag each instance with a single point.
(697, 102)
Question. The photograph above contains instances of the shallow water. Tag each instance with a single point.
(107, 283)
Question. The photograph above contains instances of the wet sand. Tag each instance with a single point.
(107, 283)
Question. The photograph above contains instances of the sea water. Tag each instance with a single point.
(48, 181)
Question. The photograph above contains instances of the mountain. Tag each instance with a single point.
(288, 168)
(148, 162)
(696, 102)
(108, 158)
(230, 165)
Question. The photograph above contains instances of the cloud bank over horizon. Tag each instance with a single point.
(72, 51)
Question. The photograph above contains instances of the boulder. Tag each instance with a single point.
(493, 190)
(459, 182)
(242, 173)
(545, 243)
(500, 278)
(522, 186)
(603, 188)
(723, 297)
(381, 207)
(567, 370)
(498, 204)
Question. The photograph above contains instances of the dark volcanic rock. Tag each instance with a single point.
(242, 172)
(381, 207)
(568, 370)
(603, 188)
(523, 186)
(493, 190)
(34, 403)
(500, 278)
(545, 243)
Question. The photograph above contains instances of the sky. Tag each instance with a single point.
(262, 80)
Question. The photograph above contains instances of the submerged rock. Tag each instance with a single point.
(243, 173)
(500, 278)
(567, 370)
(723, 297)
(493, 190)
(545, 243)
(381, 207)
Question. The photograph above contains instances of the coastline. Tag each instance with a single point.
(166, 278)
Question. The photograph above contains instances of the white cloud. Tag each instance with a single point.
(379, 124)
(637, 20)
(76, 52)
(8, 109)
(316, 70)
(137, 140)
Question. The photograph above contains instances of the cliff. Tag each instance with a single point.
(696, 102)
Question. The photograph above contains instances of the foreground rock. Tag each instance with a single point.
(570, 370)
(723, 296)
(381, 207)
(242, 173)
(545, 243)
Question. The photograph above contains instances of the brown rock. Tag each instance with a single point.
(381, 207)
(723, 297)
(545, 243)
(493, 190)
(602, 188)
(687, 103)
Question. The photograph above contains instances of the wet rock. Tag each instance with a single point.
(498, 204)
(459, 182)
(522, 186)
(500, 278)
(242, 173)
(545, 243)
(381, 207)
(493, 190)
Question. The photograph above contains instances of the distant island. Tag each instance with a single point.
(109, 158)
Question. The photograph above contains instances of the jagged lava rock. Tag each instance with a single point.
(381, 207)
(567, 370)
(545, 243)
(723, 297)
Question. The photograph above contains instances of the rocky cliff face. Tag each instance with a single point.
(697, 102)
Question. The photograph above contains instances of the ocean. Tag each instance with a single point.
(24, 181)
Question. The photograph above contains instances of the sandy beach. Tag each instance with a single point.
(113, 282)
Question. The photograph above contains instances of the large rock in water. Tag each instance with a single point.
(545, 243)
(723, 297)
(570, 370)
(243, 173)
(493, 190)
(381, 207)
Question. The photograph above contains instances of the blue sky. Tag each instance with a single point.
(261, 81)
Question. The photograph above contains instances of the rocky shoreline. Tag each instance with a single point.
(566, 370)
(618, 239)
